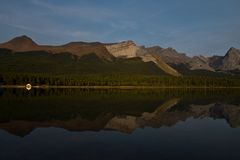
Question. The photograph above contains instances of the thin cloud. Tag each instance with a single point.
(80, 11)
(189, 27)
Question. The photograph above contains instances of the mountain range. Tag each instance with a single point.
(166, 60)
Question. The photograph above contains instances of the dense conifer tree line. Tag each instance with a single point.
(43, 68)
(119, 80)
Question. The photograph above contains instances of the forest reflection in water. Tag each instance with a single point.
(119, 124)
(22, 111)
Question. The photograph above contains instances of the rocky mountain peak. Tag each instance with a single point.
(200, 63)
(129, 42)
(171, 49)
(22, 40)
(233, 52)
(21, 43)
(123, 49)
(231, 60)
(169, 55)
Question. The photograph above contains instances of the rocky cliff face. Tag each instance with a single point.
(127, 49)
(160, 63)
(200, 63)
(231, 61)
(169, 55)
(216, 62)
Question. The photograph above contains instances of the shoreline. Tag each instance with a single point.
(117, 87)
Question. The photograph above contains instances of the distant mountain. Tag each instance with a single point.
(200, 63)
(231, 61)
(169, 55)
(22, 43)
(160, 63)
(128, 49)
(167, 60)
(125, 49)
(216, 62)
(107, 52)
(26, 44)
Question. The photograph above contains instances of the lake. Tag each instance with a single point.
(112, 124)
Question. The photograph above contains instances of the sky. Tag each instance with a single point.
(194, 27)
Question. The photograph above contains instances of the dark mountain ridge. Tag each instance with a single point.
(167, 60)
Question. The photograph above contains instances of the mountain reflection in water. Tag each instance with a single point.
(23, 111)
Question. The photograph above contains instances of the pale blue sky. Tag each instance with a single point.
(191, 26)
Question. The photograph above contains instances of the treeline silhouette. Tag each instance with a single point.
(119, 80)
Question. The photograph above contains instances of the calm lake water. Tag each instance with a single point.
(73, 124)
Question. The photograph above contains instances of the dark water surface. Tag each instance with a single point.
(73, 124)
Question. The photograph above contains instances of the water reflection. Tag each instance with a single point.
(23, 111)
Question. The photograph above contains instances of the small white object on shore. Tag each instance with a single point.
(28, 86)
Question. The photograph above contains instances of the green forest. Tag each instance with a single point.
(43, 68)
(118, 80)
